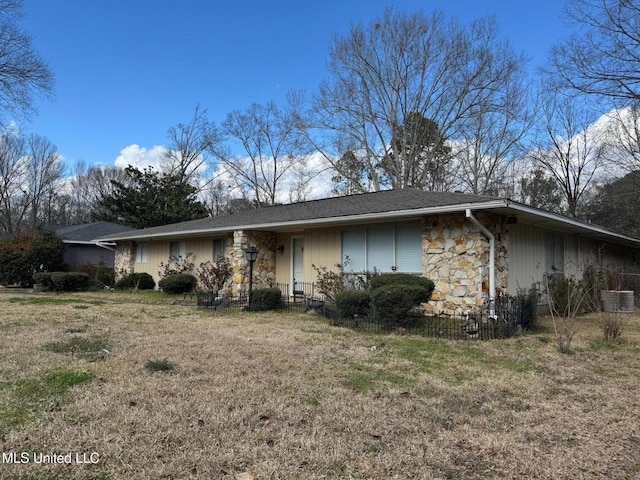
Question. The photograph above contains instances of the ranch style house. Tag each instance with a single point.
(473, 247)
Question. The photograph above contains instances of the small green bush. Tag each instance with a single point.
(403, 279)
(392, 303)
(178, 283)
(353, 302)
(99, 272)
(266, 299)
(105, 275)
(44, 279)
(141, 281)
(70, 281)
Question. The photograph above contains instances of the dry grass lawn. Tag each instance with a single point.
(286, 396)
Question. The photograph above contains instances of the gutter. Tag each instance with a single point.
(492, 261)
(106, 245)
(94, 243)
(313, 222)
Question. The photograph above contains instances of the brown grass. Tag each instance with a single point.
(269, 396)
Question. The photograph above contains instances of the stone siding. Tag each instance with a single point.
(125, 259)
(264, 269)
(455, 255)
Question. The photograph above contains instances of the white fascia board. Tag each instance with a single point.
(360, 218)
(79, 242)
(574, 223)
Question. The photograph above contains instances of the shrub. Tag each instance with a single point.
(178, 283)
(353, 302)
(99, 272)
(402, 279)
(22, 256)
(176, 265)
(568, 296)
(329, 282)
(613, 326)
(141, 281)
(105, 275)
(393, 302)
(332, 282)
(214, 276)
(266, 299)
(70, 281)
(44, 279)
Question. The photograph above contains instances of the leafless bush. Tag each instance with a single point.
(567, 298)
(612, 326)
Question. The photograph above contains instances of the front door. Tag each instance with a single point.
(298, 263)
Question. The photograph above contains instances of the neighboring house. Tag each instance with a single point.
(83, 246)
(471, 246)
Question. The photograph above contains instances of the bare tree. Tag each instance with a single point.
(98, 183)
(272, 146)
(30, 174)
(567, 149)
(23, 74)
(189, 151)
(43, 174)
(418, 156)
(623, 138)
(603, 57)
(496, 127)
(216, 197)
(12, 207)
(399, 66)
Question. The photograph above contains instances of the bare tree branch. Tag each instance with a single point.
(23, 74)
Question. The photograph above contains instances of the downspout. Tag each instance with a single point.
(492, 262)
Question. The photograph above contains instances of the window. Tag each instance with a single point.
(142, 251)
(353, 251)
(178, 250)
(387, 249)
(554, 250)
(219, 248)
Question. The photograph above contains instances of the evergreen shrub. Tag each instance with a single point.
(393, 302)
(70, 281)
(44, 280)
(266, 299)
(353, 302)
(178, 283)
(403, 279)
(142, 281)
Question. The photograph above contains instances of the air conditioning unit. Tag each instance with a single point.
(619, 301)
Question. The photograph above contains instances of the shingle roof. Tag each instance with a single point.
(329, 208)
(87, 232)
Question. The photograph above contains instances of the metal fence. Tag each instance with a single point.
(303, 296)
(509, 316)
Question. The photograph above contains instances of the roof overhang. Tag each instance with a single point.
(94, 243)
(523, 213)
(543, 219)
(313, 222)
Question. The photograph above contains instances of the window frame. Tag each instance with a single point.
(182, 250)
(224, 243)
(142, 252)
(367, 260)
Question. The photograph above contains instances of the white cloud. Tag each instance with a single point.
(140, 157)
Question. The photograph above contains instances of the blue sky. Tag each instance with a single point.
(127, 70)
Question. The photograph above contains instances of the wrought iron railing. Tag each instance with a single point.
(509, 316)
